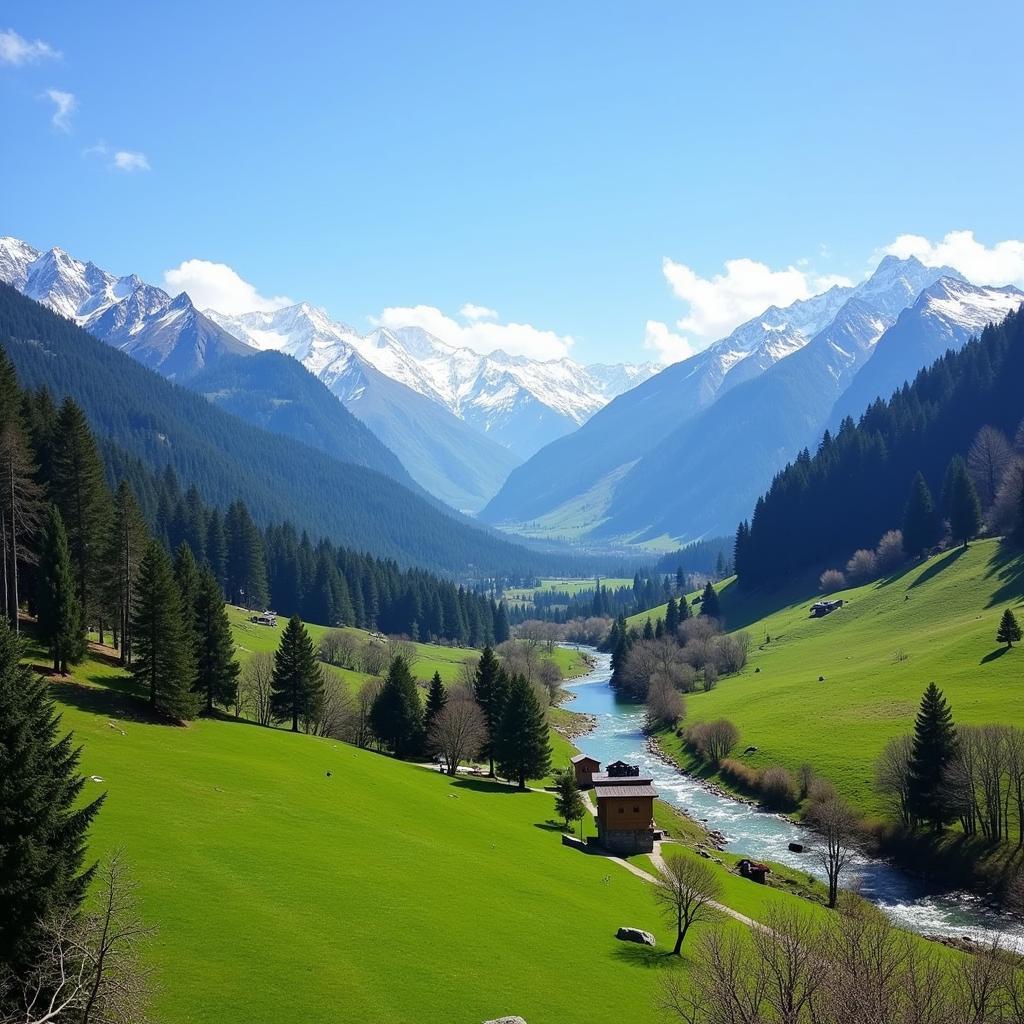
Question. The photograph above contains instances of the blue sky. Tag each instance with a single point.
(539, 161)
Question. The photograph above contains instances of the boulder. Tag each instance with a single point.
(506, 1020)
(635, 935)
(796, 847)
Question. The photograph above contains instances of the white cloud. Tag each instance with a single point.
(16, 50)
(473, 312)
(670, 347)
(217, 286)
(480, 335)
(128, 161)
(717, 305)
(64, 104)
(1002, 263)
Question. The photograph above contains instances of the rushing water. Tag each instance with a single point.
(909, 900)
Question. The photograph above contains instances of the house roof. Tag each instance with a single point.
(626, 792)
(583, 757)
(603, 778)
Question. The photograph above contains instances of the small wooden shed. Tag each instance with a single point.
(625, 816)
(585, 767)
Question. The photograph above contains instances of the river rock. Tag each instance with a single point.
(635, 935)
(796, 847)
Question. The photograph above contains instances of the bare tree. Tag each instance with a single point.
(458, 732)
(399, 647)
(537, 633)
(254, 685)
(374, 658)
(362, 731)
(335, 712)
(1004, 515)
(889, 555)
(713, 741)
(665, 705)
(686, 893)
(521, 658)
(731, 652)
(835, 826)
(90, 970)
(549, 675)
(862, 566)
(892, 775)
(339, 647)
(989, 455)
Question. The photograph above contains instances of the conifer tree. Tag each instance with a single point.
(684, 609)
(216, 667)
(648, 629)
(1009, 629)
(397, 716)
(934, 747)
(521, 748)
(680, 581)
(186, 574)
(437, 697)
(216, 546)
(125, 548)
(490, 688)
(43, 824)
(163, 660)
(78, 488)
(22, 510)
(61, 629)
(710, 604)
(502, 631)
(298, 686)
(672, 617)
(964, 506)
(568, 799)
(920, 523)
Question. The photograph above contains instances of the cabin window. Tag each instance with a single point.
(622, 810)
(636, 810)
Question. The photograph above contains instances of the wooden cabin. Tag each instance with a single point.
(625, 816)
(585, 766)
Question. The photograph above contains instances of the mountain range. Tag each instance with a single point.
(457, 421)
(685, 454)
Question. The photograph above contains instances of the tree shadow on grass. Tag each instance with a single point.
(1007, 565)
(993, 655)
(487, 786)
(937, 566)
(551, 826)
(107, 701)
(646, 956)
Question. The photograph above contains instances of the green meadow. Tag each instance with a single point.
(936, 621)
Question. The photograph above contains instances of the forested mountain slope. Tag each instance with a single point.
(278, 478)
(856, 486)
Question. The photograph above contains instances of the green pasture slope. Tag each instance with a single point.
(381, 892)
(934, 621)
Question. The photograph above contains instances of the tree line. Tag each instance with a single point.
(854, 488)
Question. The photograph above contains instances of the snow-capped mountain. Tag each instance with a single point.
(169, 335)
(944, 316)
(520, 403)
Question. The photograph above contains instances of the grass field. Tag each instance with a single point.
(934, 621)
(283, 893)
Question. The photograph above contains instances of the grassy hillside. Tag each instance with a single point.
(935, 621)
(283, 892)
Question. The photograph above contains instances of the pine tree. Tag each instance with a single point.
(490, 689)
(126, 546)
(396, 716)
(648, 629)
(684, 609)
(216, 547)
(43, 824)
(298, 686)
(920, 523)
(568, 799)
(672, 617)
(680, 581)
(521, 744)
(163, 659)
(437, 697)
(22, 510)
(216, 667)
(59, 613)
(1009, 629)
(79, 490)
(933, 749)
(710, 604)
(186, 574)
(964, 506)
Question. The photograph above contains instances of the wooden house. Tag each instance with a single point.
(585, 766)
(625, 811)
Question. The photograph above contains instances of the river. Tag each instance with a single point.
(910, 901)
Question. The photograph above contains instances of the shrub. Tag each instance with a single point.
(713, 741)
(710, 680)
(805, 777)
(777, 788)
(831, 580)
(731, 652)
(862, 566)
(740, 775)
(889, 554)
(665, 705)
(820, 791)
